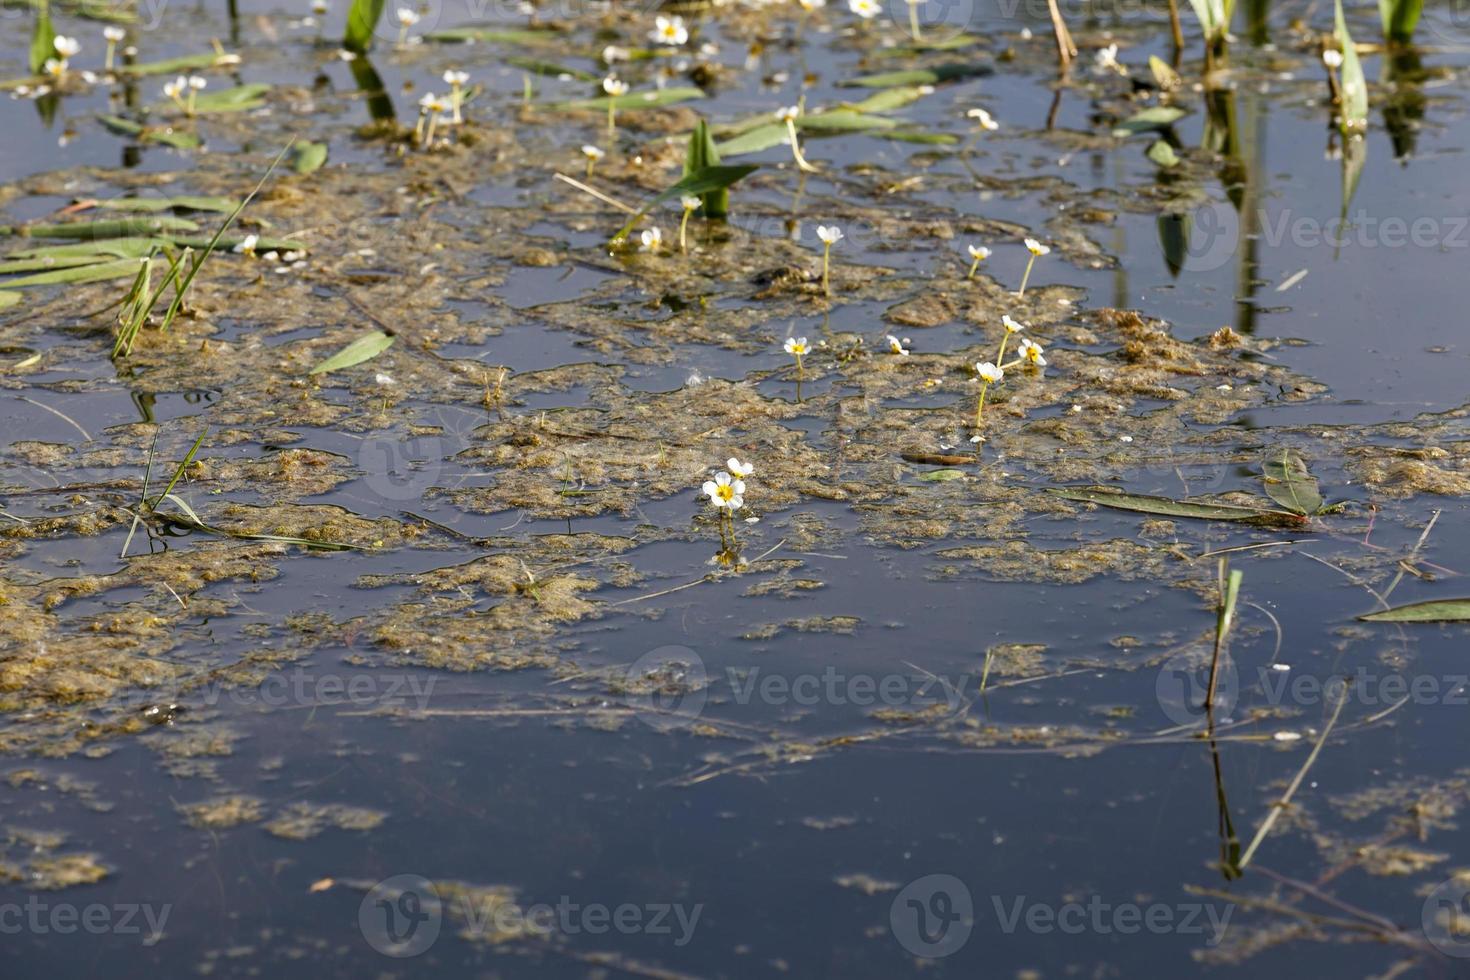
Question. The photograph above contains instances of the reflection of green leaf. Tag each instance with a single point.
(43, 39)
(362, 349)
(550, 69)
(370, 84)
(919, 76)
(631, 100)
(1155, 117)
(362, 18)
(1166, 507)
(1174, 232)
(701, 182)
(1290, 484)
(1434, 611)
(494, 35)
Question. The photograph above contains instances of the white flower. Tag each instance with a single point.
(175, 88)
(866, 9)
(613, 54)
(689, 202)
(652, 239)
(1012, 326)
(788, 113)
(1332, 58)
(430, 102)
(67, 47)
(896, 346)
(830, 234)
(383, 379)
(197, 82)
(670, 30)
(725, 491)
(1107, 60)
(407, 17)
(986, 120)
(978, 252)
(247, 246)
(614, 86)
(1031, 353)
(989, 373)
(54, 66)
(454, 79)
(113, 34)
(1036, 248)
(738, 469)
(592, 153)
(797, 346)
(810, 5)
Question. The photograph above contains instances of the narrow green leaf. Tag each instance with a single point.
(699, 183)
(652, 99)
(702, 153)
(551, 69)
(43, 39)
(1434, 611)
(1354, 82)
(97, 272)
(495, 35)
(171, 66)
(183, 202)
(362, 19)
(364, 348)
(1166, 507)
(178, 139)
(113, 228)
(8, 299)
(1155, 117)
(920, 76)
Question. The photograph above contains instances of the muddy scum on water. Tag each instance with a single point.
(455, 623)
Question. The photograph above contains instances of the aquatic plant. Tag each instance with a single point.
(1214, 20)
(797, 348)
(407, 18)
(1037, 250)
(456, 81)
(989, 373)
(669, 30)
(985, 120)
(830, 235)
(978, 254)
(690, 204)
(362, 20)
(897, 346)
(43, 39)
(652, 240)
(789, 115)
(726, 493)
(614, 87)
(1400, 18)
(593, 154)
(112, 35)
(866, 9)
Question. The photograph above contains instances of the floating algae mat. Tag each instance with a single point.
(733, 490)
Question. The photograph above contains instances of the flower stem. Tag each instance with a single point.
(973, 266)
(826, 264)
(455, 97)
(1027, 276)
(1001, 355)
(612, 126)
(796, 148)
(799, 372)
(980, 404)
(914, 21)
(684, 223)
(111, 53)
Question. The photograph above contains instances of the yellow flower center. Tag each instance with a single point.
(725, 491)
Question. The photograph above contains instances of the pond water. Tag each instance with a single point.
(440, 662)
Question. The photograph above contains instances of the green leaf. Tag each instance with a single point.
(93, 272)
(8, 299)
(237, 99)
(652, 99)
(920, 76)
(702, 153)
(917, 136)
(699, 183)
(112, 228)
(1434, 611)
(1289, 483)
(309, 157)
(889, 99)
(941, 476)
(1163, 154)
(43, 39)
(495, 35)
(12, 267)
(171, 66)
(1174, 234)
(362, 19)
(1400, 17)
(364, 348)
(1166, 507)
(754, 140)
(550, 69)
(178, 139)
(1354, 82)
(842, 121)
(1155, 117)
(184, 202)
